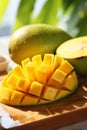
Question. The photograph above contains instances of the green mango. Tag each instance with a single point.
(35, 39)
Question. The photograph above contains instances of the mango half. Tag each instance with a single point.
(35, 39)
(38, 81)
(75, 51)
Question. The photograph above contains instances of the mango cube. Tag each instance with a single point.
(16, 98)
(11, 81)
(66, 67)
(29, 100)
(49, 93)
(57, 78)
(43, 73)
(30, 71)
(22, 84)
(5, 95)
(24, 62)
(62, 93)
(57, 62)
(4, 81)
(70, 81)
(37, 59)
(36, 88)
(18, 71)
(48, 60)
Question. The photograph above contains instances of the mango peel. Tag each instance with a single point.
(38, 81)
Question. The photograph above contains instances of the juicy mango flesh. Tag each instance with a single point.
(75, 51)
(35, 39)
(38, 81)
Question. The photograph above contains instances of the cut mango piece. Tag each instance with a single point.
(36, 88)
(38, 81)
(23, 85)
(66, 67)
(18, 71)
(30, 71)
(57, 62)
(48, 60)
(5, 95)
(24, 62)
(11, 81)
(58, 75)
(4, 81)
(61, 94)
(16, 98)
(37, 59)
(29, 100)
(57, 78)
(42, 73)
(70, 81)
(49, 93)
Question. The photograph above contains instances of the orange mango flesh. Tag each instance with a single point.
(38, 81)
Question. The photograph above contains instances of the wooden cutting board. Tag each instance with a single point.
(51, 116)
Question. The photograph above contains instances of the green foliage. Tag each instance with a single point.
(48, 13)
(82, 26)
(70, 15)
(24, 13)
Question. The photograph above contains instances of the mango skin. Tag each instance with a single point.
(80, 65)
(35, 39)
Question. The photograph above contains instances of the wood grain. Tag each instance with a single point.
(67, 111)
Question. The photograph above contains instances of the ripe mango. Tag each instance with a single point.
(45, 83)
(35, 39)
(75, 51)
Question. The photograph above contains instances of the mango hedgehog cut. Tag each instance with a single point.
(38, 81)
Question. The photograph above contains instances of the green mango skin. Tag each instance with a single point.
(80, 65)
(35, 39)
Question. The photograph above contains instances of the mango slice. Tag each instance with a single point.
(38, 81)
(75, 52)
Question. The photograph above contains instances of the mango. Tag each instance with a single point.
(43, 82)
(75, 52)
(35, 39)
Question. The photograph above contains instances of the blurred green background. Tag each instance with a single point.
(70, 15)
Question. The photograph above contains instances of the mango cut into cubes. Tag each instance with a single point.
(38, 81)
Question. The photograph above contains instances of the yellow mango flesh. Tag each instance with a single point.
(36, 88)
(38, 81)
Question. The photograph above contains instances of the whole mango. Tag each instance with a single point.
(35, 39)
